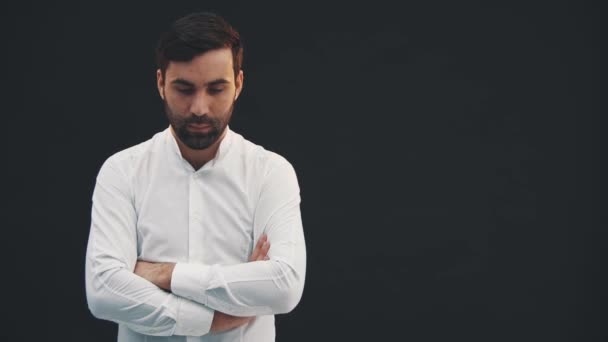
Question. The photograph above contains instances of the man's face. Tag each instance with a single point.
(199, 96)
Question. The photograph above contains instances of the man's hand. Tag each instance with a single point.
(221, 321)
(158, 273)
(260, 252)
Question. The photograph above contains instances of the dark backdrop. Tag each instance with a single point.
(448, 152)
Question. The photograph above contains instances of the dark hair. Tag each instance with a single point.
(196, 34)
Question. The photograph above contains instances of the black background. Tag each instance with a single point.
(448, 153)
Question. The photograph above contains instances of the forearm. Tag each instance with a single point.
(113, 291)
(263, 287)
(249, 289)
(118, 295)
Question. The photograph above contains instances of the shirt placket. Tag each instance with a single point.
(195, 229)
(195, 224)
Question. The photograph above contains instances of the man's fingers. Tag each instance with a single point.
(264, 251)
(222, 322)
(257, 251)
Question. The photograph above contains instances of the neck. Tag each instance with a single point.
(198, 158)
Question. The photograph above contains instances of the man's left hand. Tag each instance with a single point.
(158, 273)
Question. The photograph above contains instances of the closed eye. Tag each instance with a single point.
(215, 90)
(185, 91)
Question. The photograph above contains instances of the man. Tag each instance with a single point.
(196, 233)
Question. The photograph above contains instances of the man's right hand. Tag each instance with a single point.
(221, 321)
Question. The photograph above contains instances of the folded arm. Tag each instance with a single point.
(264, 287)
(113, 291)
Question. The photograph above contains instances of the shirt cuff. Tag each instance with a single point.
(190, 281)
(192, 319)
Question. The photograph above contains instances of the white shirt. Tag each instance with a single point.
(150, 204)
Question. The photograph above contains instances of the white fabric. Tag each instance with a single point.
(150, 204)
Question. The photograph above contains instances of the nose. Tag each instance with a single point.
(200, 104)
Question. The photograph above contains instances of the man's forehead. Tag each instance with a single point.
(212, 65)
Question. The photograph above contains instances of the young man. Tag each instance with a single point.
(196, 234)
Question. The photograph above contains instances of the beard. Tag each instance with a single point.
(198, 140)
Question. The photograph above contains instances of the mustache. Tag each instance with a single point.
(203, 119)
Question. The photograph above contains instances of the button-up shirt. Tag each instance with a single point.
(150, 204)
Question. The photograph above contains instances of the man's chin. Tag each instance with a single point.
(198, 141)
(199, 144)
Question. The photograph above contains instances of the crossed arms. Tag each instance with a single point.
(202, 298)
(160, 274)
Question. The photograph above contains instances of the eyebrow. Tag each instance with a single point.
(184, 82)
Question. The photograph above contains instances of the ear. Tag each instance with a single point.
(238, 82)
(160, 84)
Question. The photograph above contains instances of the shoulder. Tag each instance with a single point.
(125, 161)
(275, 177)
(263, 161)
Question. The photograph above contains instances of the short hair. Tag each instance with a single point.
(195, 34)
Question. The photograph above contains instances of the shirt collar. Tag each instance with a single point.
(221, 153)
